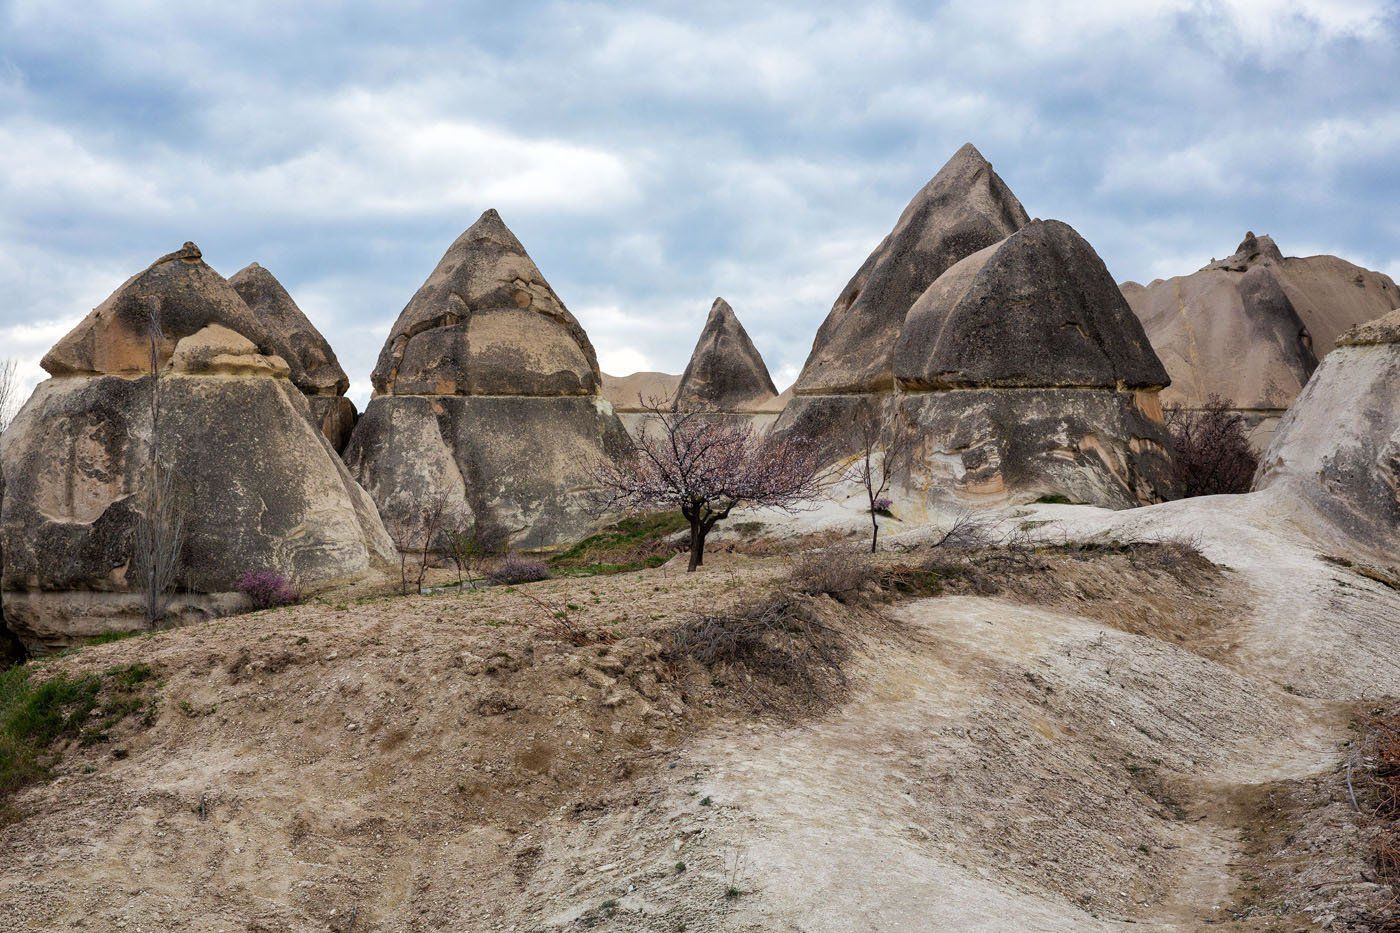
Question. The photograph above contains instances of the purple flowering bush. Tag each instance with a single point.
(883, 506)
(267, 589)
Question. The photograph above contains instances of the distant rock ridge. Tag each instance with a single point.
(256, 486)
(1336, 453)
(319, 373)
(726, 372)
(487, 401)
(631, 393)
(1250, 328)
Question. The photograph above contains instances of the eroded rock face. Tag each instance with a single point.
(1251, 328)
(726, 372)
(489, 404)
(256, 486)
(964, 208)
(315, 369)
(1334, 463)
(1023, 373)
(1036, 310)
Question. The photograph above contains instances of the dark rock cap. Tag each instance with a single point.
(964, 208)
(726, 371)
(1039, 309)
(487, 323)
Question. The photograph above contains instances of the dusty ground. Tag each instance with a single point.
(1105, 741)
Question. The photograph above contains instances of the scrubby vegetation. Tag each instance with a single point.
(517, 568)
(268, 589)
(37, 714)
(1211, 452)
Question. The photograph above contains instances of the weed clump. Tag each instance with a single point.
(517, 568)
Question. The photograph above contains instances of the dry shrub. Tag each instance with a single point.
(777, 650)
(1378, 791)
(516, 568)
(1211, 452)
(841, 575)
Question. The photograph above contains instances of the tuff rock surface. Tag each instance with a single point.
(1334, 462)
(1000, 346)
(256, 486)
(488, 405)
(317, 371)
(964, 208)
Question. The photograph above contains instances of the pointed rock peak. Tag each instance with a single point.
(726, 371)
(1253, 250)
(487, 323)
(187, 253)
(314, 366)
(175, 297)
(721, 313)
(964, 208)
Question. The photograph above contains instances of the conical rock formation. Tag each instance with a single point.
(726, 372)
(964, 208)
(255, 486)
(488, 405)
(315, 369)
(1334, 462)
(1023, 373)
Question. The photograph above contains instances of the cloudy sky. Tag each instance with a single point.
(654, 155)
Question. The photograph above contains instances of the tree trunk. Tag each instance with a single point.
(874, 530)
(697, 546)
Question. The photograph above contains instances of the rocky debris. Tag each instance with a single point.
(256, 486)
(316, 371)
(726, 372)
(1251, 328)
(488, 404)
(1336, 454)
(1024, 373)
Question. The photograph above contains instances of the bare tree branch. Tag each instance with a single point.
(706, 466)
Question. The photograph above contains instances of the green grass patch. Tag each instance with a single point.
(106, 638)
(634, 543)
(1055, 499)
(37, 715)
(33, 716)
